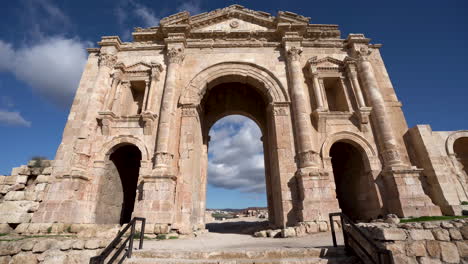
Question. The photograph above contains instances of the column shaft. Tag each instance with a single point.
(318, 92)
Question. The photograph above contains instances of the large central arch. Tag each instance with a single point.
(268, 106)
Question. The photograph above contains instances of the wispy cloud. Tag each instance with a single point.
(13, 119)
(236, 155)
(192, 6)
(49, 62)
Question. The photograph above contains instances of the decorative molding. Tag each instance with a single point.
(163, 158)
(307, 158)
(108, 60)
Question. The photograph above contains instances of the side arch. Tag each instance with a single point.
(109, 147)
(451, 140)
(250, 73)
(348, 137)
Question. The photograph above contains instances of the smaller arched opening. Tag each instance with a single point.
(460, 149)
(355, 188)
(118, 185)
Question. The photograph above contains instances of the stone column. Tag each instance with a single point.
(306, 156)
(318, 92)
(352, 75)
(116, 78)
(390, 153)
(156, 70)
(175, 56)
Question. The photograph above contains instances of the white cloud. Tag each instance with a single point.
(236, 155)
(147, 15)
(52, 66)
(13, 119)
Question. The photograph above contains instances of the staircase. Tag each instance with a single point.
(248, 256)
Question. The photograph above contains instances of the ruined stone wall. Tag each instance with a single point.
(426, 242)
(22, 192)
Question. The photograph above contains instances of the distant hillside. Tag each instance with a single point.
(236, 210)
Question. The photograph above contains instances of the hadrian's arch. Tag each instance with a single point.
(226, 89)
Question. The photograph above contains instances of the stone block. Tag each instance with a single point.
(312, 227)
(426, 260)
(416, 249)
(274, 233)
(260, 234)
(323, 226)
(462, 248)
(9, 248)
(446, 224)
(78, 244)
(433, 248)
(42, 179)
(44, 245)
(24, 258)
(430, 225)
(288, 232)
(22, 228)
(92, 244)
(5, 259)
(388, 234)
(28, 245)
(421, 234)
(397, 248)
(5, 229)
(441, 234)
(22, 179)
(449, 252)
(40, 187)
(15, 196)
(455, 234)
(464, 232)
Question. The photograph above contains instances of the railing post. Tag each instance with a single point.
(96, 260)
(142, 232)
(130, 243)
(332, 226)
(345, 234)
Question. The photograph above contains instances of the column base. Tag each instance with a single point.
(405, 196)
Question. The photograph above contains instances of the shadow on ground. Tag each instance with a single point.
(239, 227)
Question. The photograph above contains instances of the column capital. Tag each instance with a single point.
(107, 60)
(190, 110)
(363, 53)
(175, 55)
(294, 53)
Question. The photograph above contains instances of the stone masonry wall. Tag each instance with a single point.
(22, 192)
(425, 242)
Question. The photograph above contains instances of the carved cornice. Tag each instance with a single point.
(175, 55)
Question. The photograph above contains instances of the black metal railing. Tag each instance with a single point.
(126, 244)
(372, 252)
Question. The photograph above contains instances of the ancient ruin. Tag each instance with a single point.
(334, 134)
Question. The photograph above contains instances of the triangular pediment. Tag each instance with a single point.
(326, 62)
(137, 67)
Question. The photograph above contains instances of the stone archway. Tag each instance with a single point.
(353, 165)
(457, 149)
(235, 88)
(117, 185)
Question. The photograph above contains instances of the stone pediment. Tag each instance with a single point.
(233, 24)
(326, 62)
(138, 67)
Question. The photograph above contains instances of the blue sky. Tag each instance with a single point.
(42, 53)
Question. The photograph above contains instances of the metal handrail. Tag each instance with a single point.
(111, 247)
(384, 256)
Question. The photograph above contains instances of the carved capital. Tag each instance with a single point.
(189, 111)
(391, 157)
(175, 55)
(307, 158)
(108, 60)
(163, 159)
(280, 110)
(294, 53)
(125, 84)
(363, 53)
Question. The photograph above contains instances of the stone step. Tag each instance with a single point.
(337, 260)
(250, 256)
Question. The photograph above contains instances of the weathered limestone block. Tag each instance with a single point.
(455, 234)
(5, 259)
(15, 196)
(462, 248)
(66, 245)
(92, 244)
(44, 245)
(429, 225)
(441, 234)
(464, 232)
(417, 249)
(24, 258)
(421, 234)
(78, 244)
(449, 252)
(274, 233)
(9, 248)
(312, 227)
(397, 248)
(426, 260)
(54, 257)
(288, 232)
(28, 245)
(5, 229)
(22, 179)
(42, 179)
(388, 234)
(433, 248)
